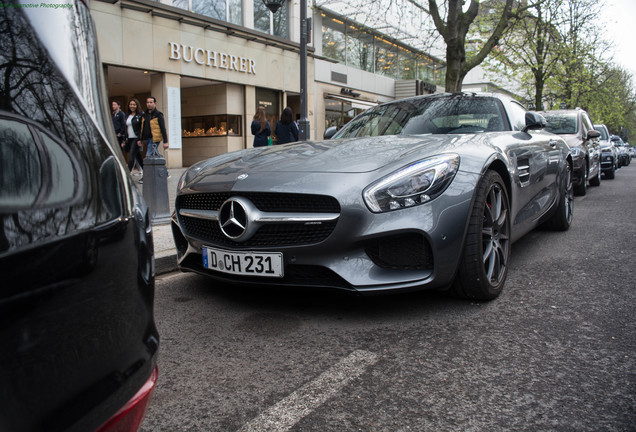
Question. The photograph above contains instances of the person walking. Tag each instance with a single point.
(133, 127)
(153, 130)
(260, 127)
(119, 123)
(286, 130)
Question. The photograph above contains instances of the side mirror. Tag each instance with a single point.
(330, 132)
(534, 121)
(593, 134)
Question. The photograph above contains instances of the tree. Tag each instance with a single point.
(454, 30)
(530, 50)
(581, 53)
(614, 101)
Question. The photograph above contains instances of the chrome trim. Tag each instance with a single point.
(265, 217)
(271, 217)
(200, 214)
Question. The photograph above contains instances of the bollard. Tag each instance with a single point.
(156, 189)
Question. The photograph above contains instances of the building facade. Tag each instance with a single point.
(211, 63)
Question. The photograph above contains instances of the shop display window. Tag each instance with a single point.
(211, 125)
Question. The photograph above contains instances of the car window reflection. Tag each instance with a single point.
(63, 175)
(20, 166)
(448, 116)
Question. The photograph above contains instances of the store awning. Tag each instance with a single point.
(355, 103)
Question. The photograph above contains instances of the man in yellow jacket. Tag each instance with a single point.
(153, 130)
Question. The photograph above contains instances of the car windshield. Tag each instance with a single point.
(448, 115)
(561, 123)
(603, 132)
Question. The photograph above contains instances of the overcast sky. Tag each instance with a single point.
(620, 15)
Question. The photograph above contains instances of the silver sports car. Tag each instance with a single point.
(425, 192)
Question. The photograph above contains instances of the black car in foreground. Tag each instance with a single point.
(77, 334)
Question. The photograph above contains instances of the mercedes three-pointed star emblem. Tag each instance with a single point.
(233, 218)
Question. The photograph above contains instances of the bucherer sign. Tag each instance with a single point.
(211, 58)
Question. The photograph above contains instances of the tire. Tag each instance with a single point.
(486, 255)
(562, 218)
(581, 189)
(596, 181)
(611, 174)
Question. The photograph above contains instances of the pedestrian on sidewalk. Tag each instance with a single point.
(153, 130)
(286, 129)
(134, 144)
(261, 128)
(119, 123)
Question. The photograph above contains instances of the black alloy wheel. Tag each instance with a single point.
(486, 254)
(562, 218)
(581, 189)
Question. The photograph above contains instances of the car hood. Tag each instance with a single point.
(572, 140)
(355, 155)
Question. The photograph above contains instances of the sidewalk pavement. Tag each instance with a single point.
(165, 251)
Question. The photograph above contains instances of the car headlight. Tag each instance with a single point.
(412, 185)
(576, 151)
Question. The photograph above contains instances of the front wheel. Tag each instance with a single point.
(596, 181)
(581, 189)
(562, 218)
(486, 253)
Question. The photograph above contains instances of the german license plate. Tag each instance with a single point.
(267, 264)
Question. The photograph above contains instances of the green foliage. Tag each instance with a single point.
(558, 56)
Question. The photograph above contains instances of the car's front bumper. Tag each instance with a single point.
(365, 252)
(608, 162)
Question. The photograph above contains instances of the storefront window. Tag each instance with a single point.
(429, 71)
(365, 49)
(272, 23)
(235, 11)
(359, 49)
(268, 99)
(407, 65)
(211, 125)
(338, 113)
(334, 40)
(210, 8)
(386, 58)
(224, 10)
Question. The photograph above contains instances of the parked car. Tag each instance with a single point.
(424, 192)
(624, 157)
(576, 128)
(609, 155)
(79, 343)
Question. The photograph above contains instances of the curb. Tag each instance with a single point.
(166, 264)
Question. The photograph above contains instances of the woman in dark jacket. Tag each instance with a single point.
(134, 144)
(286, 130)
(260, 127)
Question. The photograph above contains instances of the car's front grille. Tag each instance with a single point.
(288, 234)
(270, 235)
(402, 252)
(264, 201)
